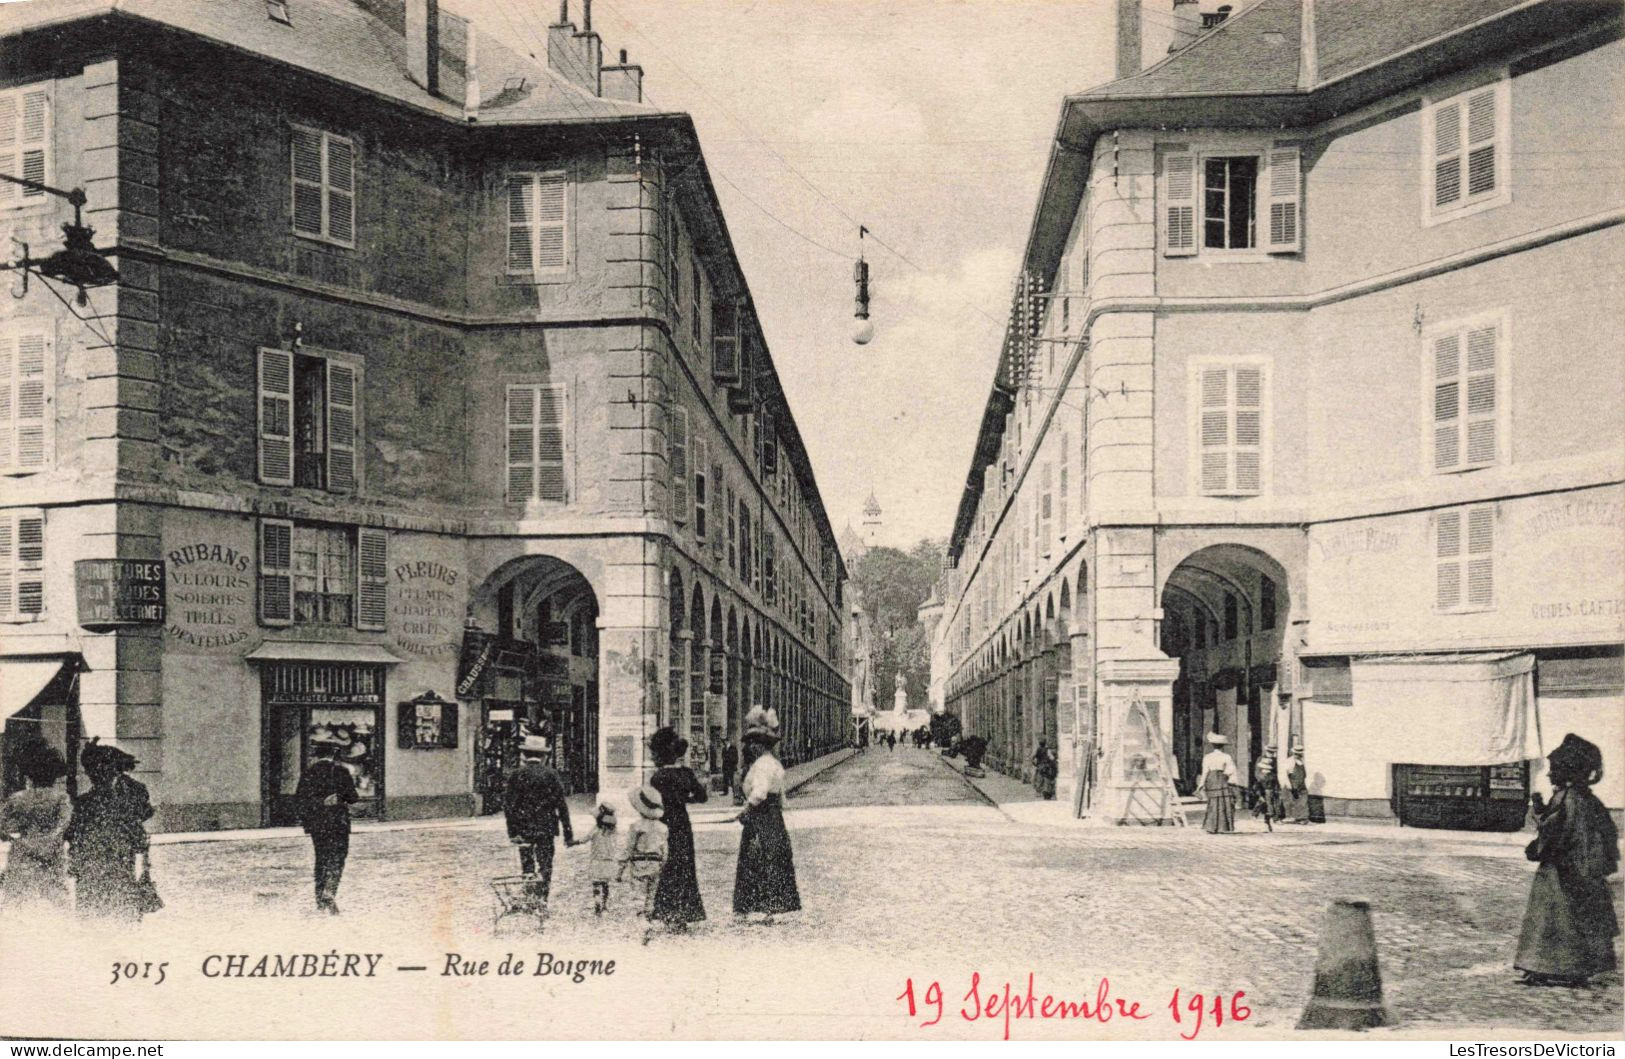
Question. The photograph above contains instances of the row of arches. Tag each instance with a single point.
(726, 657)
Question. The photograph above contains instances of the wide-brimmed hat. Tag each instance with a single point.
(667, 745)
(535, 744)
(604, 809)
(1578, 755)
(760, 720)
(97, 755)
(1216, 739)
(647, 801)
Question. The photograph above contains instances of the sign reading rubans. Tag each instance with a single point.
(119, 591)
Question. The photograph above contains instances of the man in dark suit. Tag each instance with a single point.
(326, 792)
(536, 811)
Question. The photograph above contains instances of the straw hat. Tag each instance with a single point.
(1216, 739)
(647, 801)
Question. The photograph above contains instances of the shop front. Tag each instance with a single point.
(39, 703)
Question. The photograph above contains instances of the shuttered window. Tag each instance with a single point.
(1465, 369)
(1046, 510)
(702, 459)
(26, 376)
(696, 330)
(1230, 430)
(1467, 149)
(678, 460)
(719, 546)
(1465, 559)
(372, 579)
(1178, 213)
(536, 424)
(672, 241)
(1283, 188)
(309, 420)
(22, 565)
(324, 186)
(276, 416)
(276, 572)
(1062, 502)
(25, 143)
(538, 223)
(725, 341)
(342, 401)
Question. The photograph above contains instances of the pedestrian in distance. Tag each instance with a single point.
(106, 837)
(1266, 789)
(603, 856)
(35, 820)
(1569, 926)
(677, 901)
(645, 851)
(1295, 779)
(1219, 783)
(765, 878)
(537, 813)
(325, 793)
(730, 765)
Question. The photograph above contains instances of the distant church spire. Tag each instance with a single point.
(871, 521)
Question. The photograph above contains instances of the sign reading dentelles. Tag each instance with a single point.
(211, 594)
(426, 609)
(119, 591)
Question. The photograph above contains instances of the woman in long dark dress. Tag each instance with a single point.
(1570, 925)
(677, 898)
(765, 880)
(106, 836)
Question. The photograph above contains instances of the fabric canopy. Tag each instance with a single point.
(316, 651)
(22, 679)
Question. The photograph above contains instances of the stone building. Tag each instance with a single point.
(1307, 427)
(430, 403)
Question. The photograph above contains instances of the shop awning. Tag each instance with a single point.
(22, 679)
(321, 651)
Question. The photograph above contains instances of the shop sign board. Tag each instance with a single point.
(473, 662)
(120, 591)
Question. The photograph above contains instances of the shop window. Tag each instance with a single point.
(538, 224)
(309, 420)
(324, 186)
(1465, 143)
(314, 574)
(1464, 559)
(27, 370)
(22, 565)
(537, 425)
(25, 144)
(1466, 362)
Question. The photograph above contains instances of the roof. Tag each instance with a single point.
(1251, 72)
(361, 43)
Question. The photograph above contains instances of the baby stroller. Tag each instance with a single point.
(517, 896)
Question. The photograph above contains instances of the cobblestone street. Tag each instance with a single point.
(905, 871)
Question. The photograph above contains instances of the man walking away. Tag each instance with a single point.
(326, 792)
(537, 812)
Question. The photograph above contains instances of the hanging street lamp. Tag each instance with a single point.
(78, 264)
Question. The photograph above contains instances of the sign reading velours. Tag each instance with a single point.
(120, 591)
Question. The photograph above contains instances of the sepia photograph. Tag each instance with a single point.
(811, 520)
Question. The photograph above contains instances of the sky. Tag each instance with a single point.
(929, 122)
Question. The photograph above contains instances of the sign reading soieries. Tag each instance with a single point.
(211, 594)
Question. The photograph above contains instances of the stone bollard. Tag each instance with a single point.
(1348, 985)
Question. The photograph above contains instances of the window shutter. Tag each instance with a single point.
(10, 147)
(342, 423)
(1248, 431)
(694, 296)
(372, 579)
(8, 564)
(27, 564)
(1480, 147)
(340, 189)
(679, 465)
(307, 182)
(1447, 402)
(521, 459)
(550, 435)
(1179, 205)
(521, 225)
(1480, 386)
(1215, 430)
(725, 320)
(276, 572)
(702, 459)
(718, 546)
(1480, 556)
(552, 204)
(1062, 504)
(1447, 154)
(1447, 554)
(8, 398)
(25, 140)
(32, 403)
(1285, 185)
(1046, 509)
(276, 417)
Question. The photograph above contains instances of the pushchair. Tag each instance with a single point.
(516, 896)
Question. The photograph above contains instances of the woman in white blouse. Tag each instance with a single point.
(765, 880)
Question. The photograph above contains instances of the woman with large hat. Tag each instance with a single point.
(1569, 926)
(35, 819)
(1219, 783)
(765, 880)
(677, 902)
(107, 835)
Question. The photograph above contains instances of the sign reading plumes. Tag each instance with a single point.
(119, 591)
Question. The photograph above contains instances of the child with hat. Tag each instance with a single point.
(645, 845)
(603, 858)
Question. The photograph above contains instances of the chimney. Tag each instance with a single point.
(1148, 31)
(423, 43)
(623, 81)
(575, 56)
(471, 90)
(1308, 51)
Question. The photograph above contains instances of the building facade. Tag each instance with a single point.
(429, 405)
(1307, 427)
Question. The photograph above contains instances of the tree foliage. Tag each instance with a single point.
(894, 583)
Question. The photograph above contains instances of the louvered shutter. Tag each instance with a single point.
(1447, 417)
(1447, 556)
(521, 224)
(718, 545)
(340, 185)
(276, 572)
(307, 182)
(679, 466)
(372, 579)
(25, 140)
(1447, 161)
(1480, 385)
(32, 405)
(550, 447)
(343, 385)
(8, 401)
(1179, 205)
(702, 458)
(1480, 143)
(725, 321)
(27, 564)
(1215, 430)
(276, 416)
(1480, 556)
(1062, 513)
(1046, 512)
(1248, 431)
(552, 227)
(8, 565)
(1284, 187)
(521, 449)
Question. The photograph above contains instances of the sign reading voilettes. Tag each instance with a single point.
(119, 591)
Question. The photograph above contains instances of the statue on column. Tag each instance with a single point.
(899, 699)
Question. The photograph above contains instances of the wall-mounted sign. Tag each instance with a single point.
(474, 662)
(120, 591)
(427, 722)
(211, 585)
